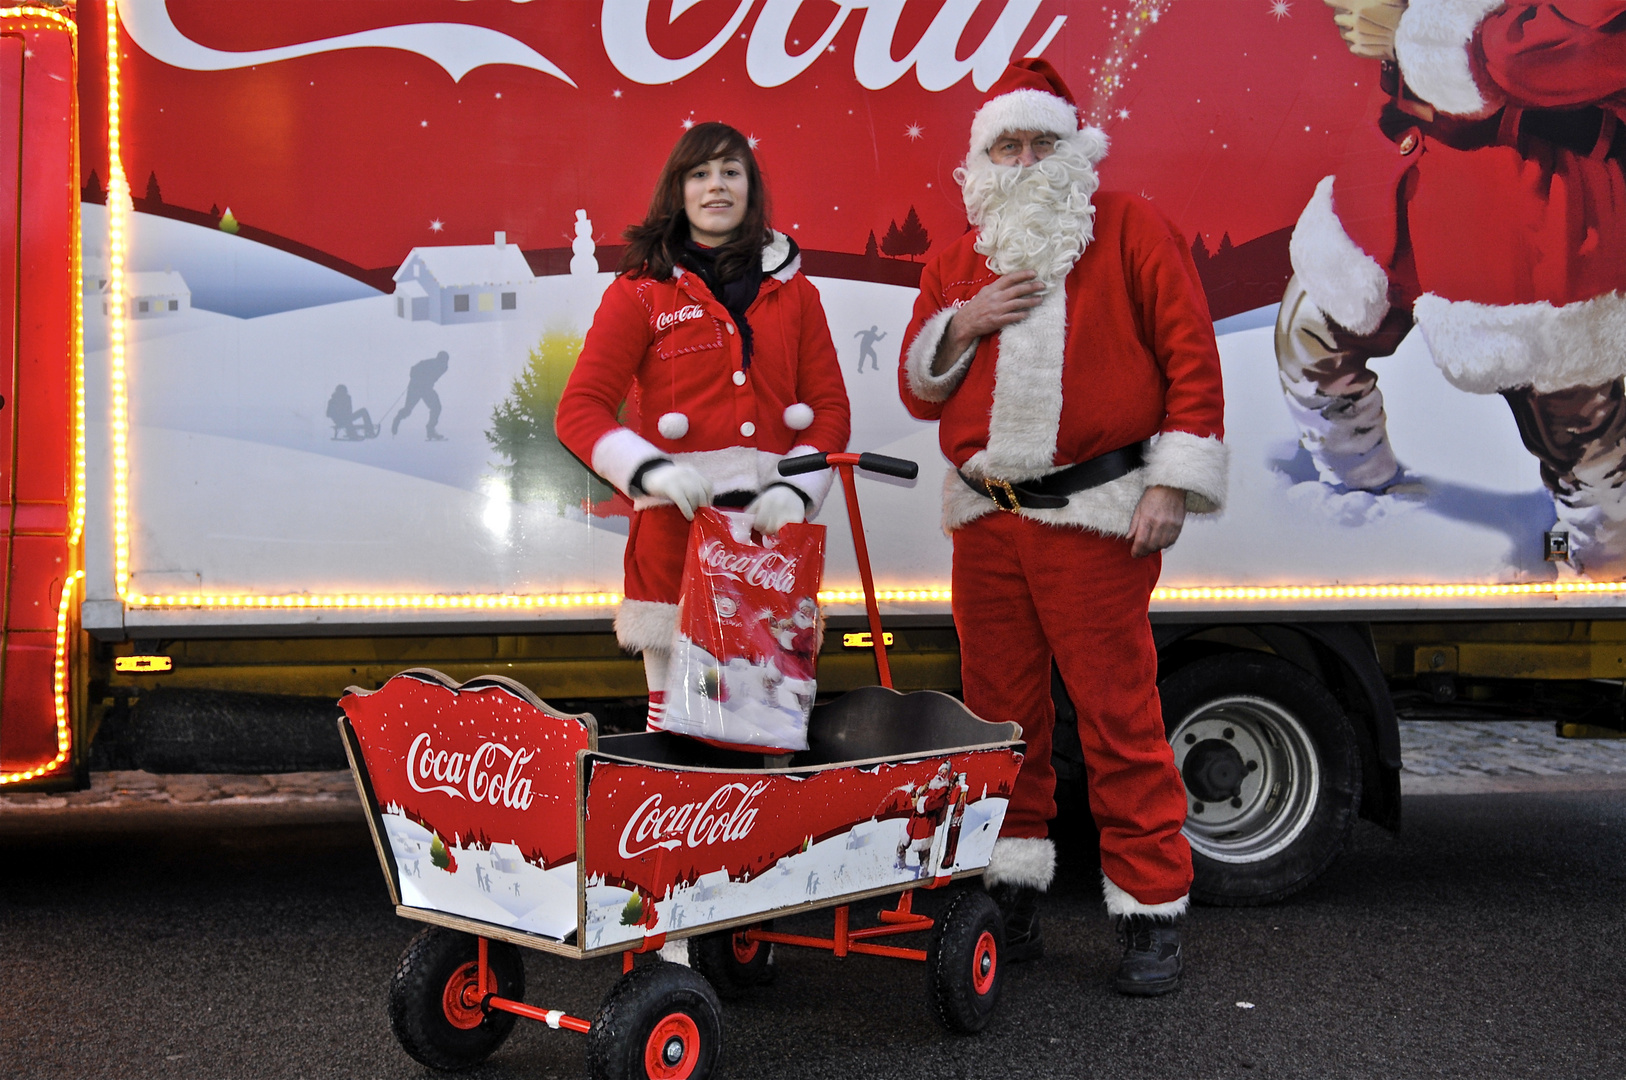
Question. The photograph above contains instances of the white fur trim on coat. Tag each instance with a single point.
(815, 485)
(618, 454)
(1484, 349)
(917, 364)
(1022, 861)
(1343, 281)
(1032, 110)
(1026, 414)
(1119, 902)
(1199, 466)
(646, 624)
(1431, 45)
(1107, 509)
(774, 254)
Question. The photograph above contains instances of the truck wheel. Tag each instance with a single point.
(963, 970)
(435, 1008)
(1272, 773)
(732, 964)
(660, 1022)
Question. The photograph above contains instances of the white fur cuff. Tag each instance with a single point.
(917, 364)
(646, 624)
(1432, 43)
(1343, 281)
(619, 453)
(1120, 902)
(1196, 465)
(1022, 861)
(815, 485)
(1485, 349)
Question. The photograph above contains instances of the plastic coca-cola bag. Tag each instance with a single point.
(744, 661)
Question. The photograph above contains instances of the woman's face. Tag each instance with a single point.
(714, 197)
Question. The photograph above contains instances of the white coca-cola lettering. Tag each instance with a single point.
(762, 569)
(720, 817)
(769, 62)
(682, 314)
(492, 773)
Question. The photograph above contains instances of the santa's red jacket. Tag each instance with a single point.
(1079, 376)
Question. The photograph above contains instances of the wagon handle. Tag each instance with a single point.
(844, 464)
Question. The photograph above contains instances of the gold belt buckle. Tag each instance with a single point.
(993, 486)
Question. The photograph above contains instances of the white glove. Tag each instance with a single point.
(775, 508)
(687, 489)
(1368, 26)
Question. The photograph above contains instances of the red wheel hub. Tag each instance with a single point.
(460, 1001)
(984, 962)
(745, 950)
(673, 1048)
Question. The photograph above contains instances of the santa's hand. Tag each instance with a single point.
(1159, 516)
(686, 488)
(1007, 300)
(775, 508)
(1368, 26)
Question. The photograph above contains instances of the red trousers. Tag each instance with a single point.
(1026, 592)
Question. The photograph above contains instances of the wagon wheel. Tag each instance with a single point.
(732, 964)
(963, 970)
(660, 1022)
(435, 1008)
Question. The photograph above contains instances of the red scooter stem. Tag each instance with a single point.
(844, 465)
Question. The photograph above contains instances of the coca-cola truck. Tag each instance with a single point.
(296, 286)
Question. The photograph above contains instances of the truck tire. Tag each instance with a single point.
(1272, 772)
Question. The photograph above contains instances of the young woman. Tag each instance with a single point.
(720, 348)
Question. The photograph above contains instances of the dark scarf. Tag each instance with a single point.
(736, 295)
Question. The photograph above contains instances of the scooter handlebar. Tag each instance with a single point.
(878, 463)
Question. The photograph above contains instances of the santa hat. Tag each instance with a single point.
(1031, 96)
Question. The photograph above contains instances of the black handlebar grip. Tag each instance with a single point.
(806, 463)
(891, 466)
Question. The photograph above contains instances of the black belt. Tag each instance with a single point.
(1050, 492)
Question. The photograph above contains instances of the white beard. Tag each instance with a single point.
(1036, 217)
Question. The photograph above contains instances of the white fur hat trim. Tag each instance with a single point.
(672, 425)
(799, 417)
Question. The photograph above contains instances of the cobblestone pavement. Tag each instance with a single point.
(1443, 757)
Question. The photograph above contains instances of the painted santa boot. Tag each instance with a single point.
(1579, 436)
(1019, 870)
(1333, 397)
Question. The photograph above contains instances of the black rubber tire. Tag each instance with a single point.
(715, 957)
(957, 950)
(418, 1014)
(642, 999)
(1317, 763)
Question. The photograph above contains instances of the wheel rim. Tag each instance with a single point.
(460, 1001)
(984, 963)
(745, 950)
(673, 1048)
(1252, 778)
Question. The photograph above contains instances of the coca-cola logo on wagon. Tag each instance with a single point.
(726, 814)
(492, 774)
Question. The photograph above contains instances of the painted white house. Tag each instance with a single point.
(153, 294)
(462, 283)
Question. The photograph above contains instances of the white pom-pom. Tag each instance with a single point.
(673, 425)
(799, 417)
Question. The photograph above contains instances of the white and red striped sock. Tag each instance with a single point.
(657, 710)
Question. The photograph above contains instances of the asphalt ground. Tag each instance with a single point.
(213, 942)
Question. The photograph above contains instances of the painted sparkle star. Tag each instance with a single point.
(1282, 9)
(752, 141)
(688, 122)
(615, 93)
(1123, 114)
(914, 131)
(437, 225)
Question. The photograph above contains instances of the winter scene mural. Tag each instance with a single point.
(362, 260)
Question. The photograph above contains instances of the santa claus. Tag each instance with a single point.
(1486, 206)
(1066, 349)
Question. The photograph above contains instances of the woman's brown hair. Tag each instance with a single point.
(653, 247)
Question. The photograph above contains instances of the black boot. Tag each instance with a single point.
(1151, 963)
(1019, 905)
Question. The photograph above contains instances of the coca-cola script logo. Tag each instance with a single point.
(762, 569)
(490, 775)
(727, 814)
(682, 314)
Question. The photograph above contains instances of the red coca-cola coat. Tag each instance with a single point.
(1125, 355)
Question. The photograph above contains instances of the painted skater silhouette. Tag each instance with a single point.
(349, 423)
(421, 387)
(866, 347)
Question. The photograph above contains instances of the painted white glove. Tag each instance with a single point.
(1368, 26)
(775, 508)
(687, 489)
